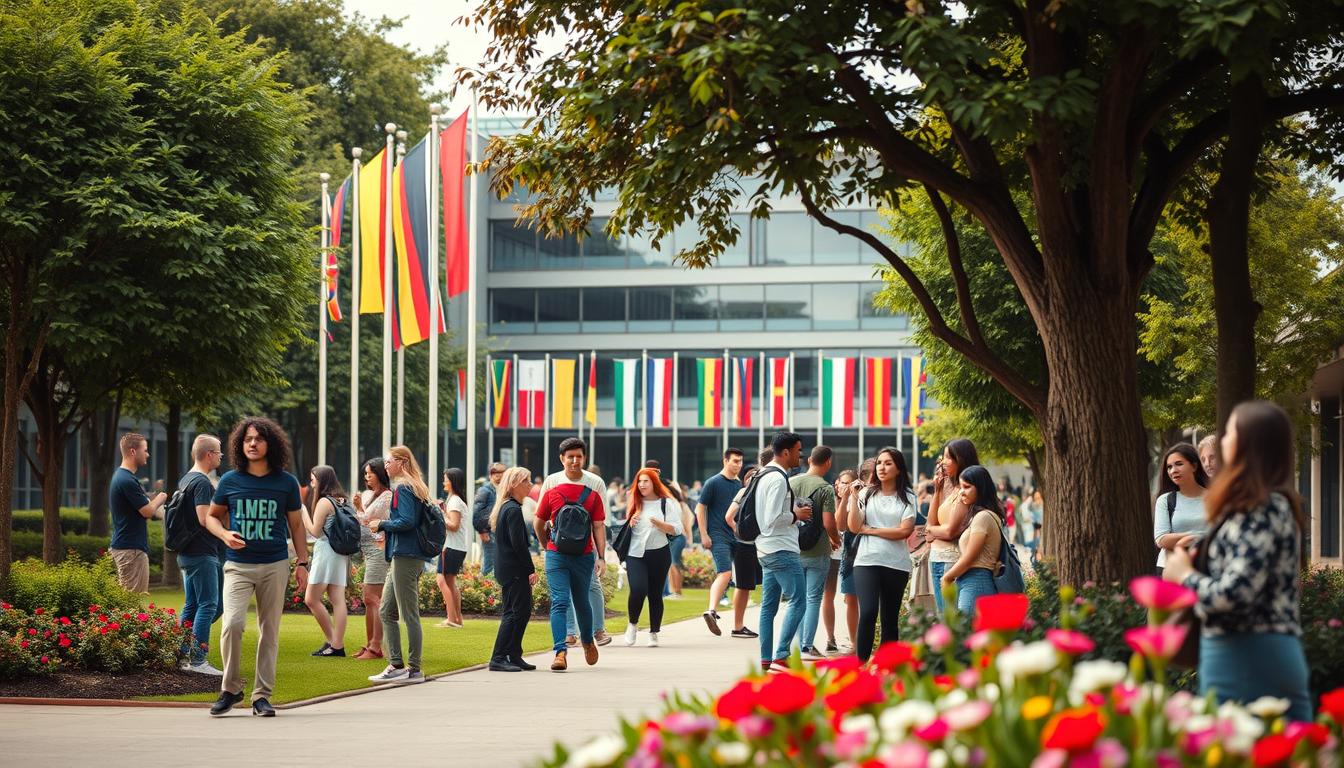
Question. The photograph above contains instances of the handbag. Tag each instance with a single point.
(1008, 571)
(621, 543)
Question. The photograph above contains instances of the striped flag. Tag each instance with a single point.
(877, 386)
(562, 393)
(913, 379)
(742, 369)
(338, 211)
(837, 392)
(501, 387)
(336, 217)
(779, 391)
(452, 170)
(709, 404)
(590, 414)
(460, 406)
(624, 375)
(410, 228)
(531, 394)
(373, 244)
(658, 392)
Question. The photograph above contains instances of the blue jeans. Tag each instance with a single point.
(815, 571)
(202, 576)
(1280, 670)
(937, 570)
(783, 574)
(568, 575)
(598, 603)
(973, 584)
(488, 556)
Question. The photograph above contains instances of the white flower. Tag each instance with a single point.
(897, 721)
(961, 754)
(732, 753)
(954, 698)
(1090, 676)
(866, 724)
(990, 692)
(937, 759)
(1267, 707)
(598, 753)
(1245, 728)
(1018, 661)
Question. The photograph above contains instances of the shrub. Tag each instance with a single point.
(97, 638)
(1323, 626)
(68, 588)
(73, 520)
(699, 571)
(26, 544)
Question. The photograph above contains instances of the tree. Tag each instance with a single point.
(1094, 112)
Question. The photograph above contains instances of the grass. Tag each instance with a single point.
(301, 676)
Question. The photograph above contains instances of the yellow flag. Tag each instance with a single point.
(373, 245)
(562, 397)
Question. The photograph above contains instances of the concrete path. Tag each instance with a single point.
(475, 718)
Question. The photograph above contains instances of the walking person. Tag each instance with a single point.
(815, 559)
(454, 552)
(373, 504)
(330, 569)
(201, 558)
(973, 572)
(1247, 572)
(746, 572)
(480, 516)
(401, 548)
(716, 537)
(777, 546)
(257, 511)
(882, 515)
(130, 509)
(1178, 515)
(513, 569)
(573, 454)
(948, 516)
(654, 516)
(677, 543)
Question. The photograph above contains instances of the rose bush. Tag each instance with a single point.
(699, 571)
(97, 638)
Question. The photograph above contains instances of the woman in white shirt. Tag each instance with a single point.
(1178, 517)
(883, 517)
(330, 570)
(653, 516)
(373, 504)
(455, 519)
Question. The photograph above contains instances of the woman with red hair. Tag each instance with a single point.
(653, 515)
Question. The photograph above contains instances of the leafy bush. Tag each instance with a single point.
(699, 571)
(1323, 626)
(73, 520)
(68, 588)
(26, 543)
(98, 638)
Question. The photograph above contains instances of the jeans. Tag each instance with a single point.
(975, 583)
(597, 604)
(202, 577)
(488, 556)
(648, 574)
(815, 571)
(568, 575)
(783, 574)
(881, 591)
(1280, 670)
(401, 604)
(937, 569)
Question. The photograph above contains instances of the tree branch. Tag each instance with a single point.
(963, 284)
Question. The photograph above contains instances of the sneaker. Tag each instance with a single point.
(504, 666)
(414, 676)
(812, 654)
(653, 639)
(225, 702)
(329, 651)
(744, 633)
(600, 637)
(204, 668)
(561, 662)
(673, 596)
(263, 708)
(448, 624)
(777, 666)
(831, 647)
(572, 641)
(590, 652)
(712, 621)
(321, 651)
(724, 602)
(390, 674)
(631, 632)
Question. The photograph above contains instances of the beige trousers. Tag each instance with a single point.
(132, 569)
(241, 581)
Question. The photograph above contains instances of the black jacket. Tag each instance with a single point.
(513, 558)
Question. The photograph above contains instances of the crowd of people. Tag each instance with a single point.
(874, 534)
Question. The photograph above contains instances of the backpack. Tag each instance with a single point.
(572, 526)
(812, 529)
(748, 524)
(430, 530)
(1008, 571)
(342, 527)
(180, 524)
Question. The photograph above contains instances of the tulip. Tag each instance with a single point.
(1073, 730)
(1274, 749)
(1158, 594)
(934, 732)
(968, 715)
(1332, 704)
(685, 724)
(755, 727)
(1069, 642)
(840, 664)
(1001, 613)
(786, 693)
(1156, 643)
(737, 702)
(907, 754)
(893, 656)
(1315, 733)
(858, 690)
(937, 637)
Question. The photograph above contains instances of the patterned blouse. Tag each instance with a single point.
(1252, 584)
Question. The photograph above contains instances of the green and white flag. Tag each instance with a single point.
(837, 392)
(625, 392)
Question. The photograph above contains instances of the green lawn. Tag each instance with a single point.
(301, 676)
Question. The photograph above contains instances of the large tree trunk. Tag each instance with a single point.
(9, 442)
(172, 576)
(100, 439)
(51, 455)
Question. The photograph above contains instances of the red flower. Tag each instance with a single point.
(786, 693)
(1315, 733)
(1070, 642)
(32, 631)
(1332, 704)
(1160, 642)
(1274, 749)
(5, 606)
(934, 732)
(186, 624)
(114, 626)
(893, 656)
(839, 664)
(43, 659)
(172, 611)
(944, 682)
(1003, 613)
(737, 702)
(102, 630)
(141, 616)
(64, 642)
(23, 644)
(64, 621)
(1073, 730)
(1159, 594)
(39, 611)
(859, 689)
(144, 635)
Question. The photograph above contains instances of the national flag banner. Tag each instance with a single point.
(453, 174)
(531, 394)
(624, 376)
(373, 245)
(742, 389)
(410, 225)
(709, 403)
(590, 406)
(913, 380)
(501, 390)
(837, 391)
(562, 393)
(333, 279)
(337, 215)
(778, 396)
(460, 406)
(658, 391)
(877, 390)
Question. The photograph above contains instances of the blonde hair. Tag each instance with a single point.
(410, 471)
(513, 477)
(203, 445)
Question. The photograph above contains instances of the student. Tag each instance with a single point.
(330, 570)
(401, 595)
(514, 570)
(882, 515)
(130, 509)
(835, 582)
(947, 515)
(654, 516)
(782, 569)
(454, 546)
(973, 572)
(716, 537)
(1178, 515)
(257, 511)
(201, 559)
(373, 504)
(1208, 456)
(1248, 579)
(746, 572)
(572, 456)
(816, 560)
(570, 577)
(480, 517)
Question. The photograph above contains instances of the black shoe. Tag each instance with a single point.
(225, 702)
(504, 666)
(744, 633)
(523, 665)
(263, 708)
(322, 651)
(329, 651)
(712, 621)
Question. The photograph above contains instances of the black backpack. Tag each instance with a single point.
(342, 527)
(748, 524)
(812, 529)
(572, 526)
(430, 530)
(180, 524)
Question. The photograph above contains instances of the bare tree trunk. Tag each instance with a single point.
(100, 438)
(172, 576)
(51, 455)
(9, 442)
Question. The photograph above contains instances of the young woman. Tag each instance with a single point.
(844, 510)
(882, 515)
(513, 569)
(1247, 579)
(330, 571)
(373, 504)
(455, 546)
(947, 514)
(402, 550)
(654, 516)
(845, 479)
(677, 543)
(1179, 521)
(973, 572)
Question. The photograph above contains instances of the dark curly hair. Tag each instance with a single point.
(277, 443)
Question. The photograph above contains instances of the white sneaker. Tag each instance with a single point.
(653, 639)
(390, 674)
(812, 654)
(204, 668)
(673, 596)
(631, 632)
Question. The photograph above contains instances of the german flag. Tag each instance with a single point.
(709, 404)
(410, 228)
(373, 246)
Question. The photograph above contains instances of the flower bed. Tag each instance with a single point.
(699, 571)
(95, 639)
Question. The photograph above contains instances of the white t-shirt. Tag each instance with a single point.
(1187, 518)
(882, 511)
(589, 479)
(645, 537)
(458, 540)
(774, 512)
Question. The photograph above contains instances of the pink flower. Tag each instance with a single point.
(1125, 695)
(907, 754)
(980, 640)
(1160, 595)
(848, 745)
(964, 717)
(1160, 642)
(43, 659)
(968, 678)
(1165, 759)
(937, 637)
(1334, 623)
(1050, 758)
(142, 616)
(755, 727)
(934, 732)
(1198, 741)
(686, 724)
(1177, 708)
(1070, 642)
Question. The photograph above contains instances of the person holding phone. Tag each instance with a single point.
(948, 516)
(782, 567)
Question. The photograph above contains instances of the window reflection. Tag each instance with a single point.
(600, 250)
(696, 308)
(512, 246)
(788, 239)
(604, 310)
(741, 308)
(835, 306)
(788, 307)
(650, 309)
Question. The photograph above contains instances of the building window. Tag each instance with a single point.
(696, 308)
(600, 250)
(835, 306)
(604, 310)
(788, 307)
(650, 309)
(741, 308)
(512, 246)
(877, 317)
(558, 252)
(831, 247)
(787, 239)
(558, 311)
(513, 311)
(644, 254)
(1330, 477)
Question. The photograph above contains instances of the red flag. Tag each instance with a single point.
(453, 172)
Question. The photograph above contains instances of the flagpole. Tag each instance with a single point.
(490, 404)
(513, 399)
(432, 179)
(472, 244)
(355, 153)
(675, 357)
(391, 129)
(322, 323)
(760, 407)
(821, 394)
(644, 422)
(792, 411)
(723, 401)
(592, 428)
(900, 421)
(914, 431)
(583, 401)
(546, 390)
(867, 395)
(401, 351)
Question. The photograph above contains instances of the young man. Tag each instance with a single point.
(778, 514)
(480, 516)
(715, 496)
(257, 511)
(202, 558)
(816, 560)
(573, 454)
(130, 509)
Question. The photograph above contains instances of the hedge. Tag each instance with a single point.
(73, 520)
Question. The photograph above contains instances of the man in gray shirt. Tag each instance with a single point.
(778, 512)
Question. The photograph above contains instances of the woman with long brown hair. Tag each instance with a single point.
(401, 594)
(654, 516)
(330, 569)
(1247, 573)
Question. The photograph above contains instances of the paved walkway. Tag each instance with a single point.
(473, 718)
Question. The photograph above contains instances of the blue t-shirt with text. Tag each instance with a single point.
(717, 495)
(259, 510)
(126, 498)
